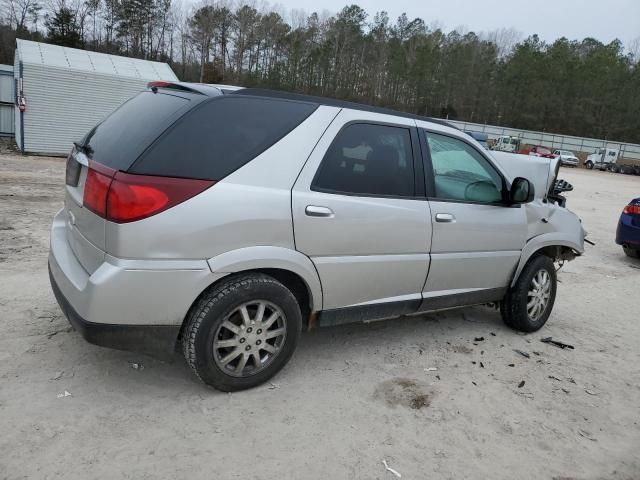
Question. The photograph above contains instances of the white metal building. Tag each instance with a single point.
(65, 92)
(7, 100)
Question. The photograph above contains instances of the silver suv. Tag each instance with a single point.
(225, 221)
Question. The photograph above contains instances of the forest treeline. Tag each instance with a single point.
(578, 87)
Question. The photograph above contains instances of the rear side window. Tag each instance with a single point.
(367, 159)
(220, 136)
(124, 135)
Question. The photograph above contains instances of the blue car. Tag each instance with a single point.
(628, 233)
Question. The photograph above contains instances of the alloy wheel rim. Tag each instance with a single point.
(538, 294)
(249, 338)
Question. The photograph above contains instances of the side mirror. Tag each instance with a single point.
(522, 191)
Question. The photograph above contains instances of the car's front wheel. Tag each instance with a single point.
(242, 332)
(528, 304)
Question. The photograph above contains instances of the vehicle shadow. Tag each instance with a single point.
(319, 351)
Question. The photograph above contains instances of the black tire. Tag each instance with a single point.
(514, 305)
(205, 319)
(631, 252)
(589, 165)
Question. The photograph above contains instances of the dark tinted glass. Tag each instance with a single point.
(124, 135)
(220, 136)
(368, 159)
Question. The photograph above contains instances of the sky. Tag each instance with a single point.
(604, 20)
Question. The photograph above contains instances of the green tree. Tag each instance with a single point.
(62, 28)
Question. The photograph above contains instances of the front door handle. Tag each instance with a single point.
(445, 218)
(316, 211)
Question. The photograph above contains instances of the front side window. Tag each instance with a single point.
(461, 173)
(368, 159)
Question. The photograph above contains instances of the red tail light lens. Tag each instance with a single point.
(632, 209)
(96, 188)
(134, 197)
(121, 197)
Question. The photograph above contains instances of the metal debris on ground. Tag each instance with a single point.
(565, 390)
(431, 369)
(478, 339)
(591, 392)
(557, 343)
(554, 378)
(587, 435)
(273, 386)
(65, 394)
(389, 469)
(493, 334)
(521, 384)
(524, 354)
(136, 366)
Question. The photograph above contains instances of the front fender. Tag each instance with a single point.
(546, 240)
(253, 258)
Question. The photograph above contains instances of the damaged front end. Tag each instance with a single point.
(551, 227)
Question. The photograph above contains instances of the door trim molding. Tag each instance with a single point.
(466, 299)
(385, 310)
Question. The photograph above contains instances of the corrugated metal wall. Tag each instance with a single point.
(63, 104)
(629, 151)
(7, 100)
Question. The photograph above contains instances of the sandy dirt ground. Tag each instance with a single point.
(350, 398)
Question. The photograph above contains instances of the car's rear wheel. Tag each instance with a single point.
(242, 332)
(527, 306)
(631, 252)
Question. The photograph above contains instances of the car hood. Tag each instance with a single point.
(540, 171)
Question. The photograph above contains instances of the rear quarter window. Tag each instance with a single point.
(220, 136)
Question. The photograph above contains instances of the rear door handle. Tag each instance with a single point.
(445, 218)
(316, 211)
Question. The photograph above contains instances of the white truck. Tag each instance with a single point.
(506, 143)
(603, 159)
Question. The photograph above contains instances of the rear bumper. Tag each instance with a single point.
(155, 340)
(125, 304)
(627, 233)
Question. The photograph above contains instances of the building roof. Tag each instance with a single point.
(36, 53)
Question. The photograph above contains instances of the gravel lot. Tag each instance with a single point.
(350, 398)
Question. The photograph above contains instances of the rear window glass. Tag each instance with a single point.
(124, 135)
(220, 136)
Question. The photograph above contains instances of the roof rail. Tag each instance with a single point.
(197, 88)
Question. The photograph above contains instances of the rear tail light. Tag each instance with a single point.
(122, 197)
(632, 209)
(96, 188)
(72, 175)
